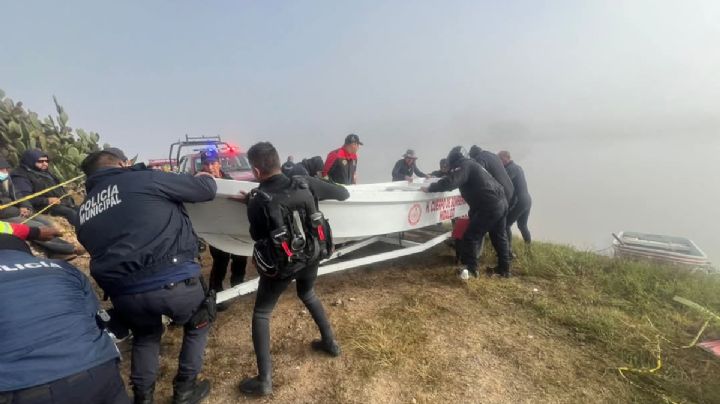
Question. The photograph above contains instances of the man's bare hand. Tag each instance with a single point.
(241, 197)
(48, 233)
(53, 201)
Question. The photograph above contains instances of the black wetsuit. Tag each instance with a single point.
(270, 289)
(520, 210)
(488, 211)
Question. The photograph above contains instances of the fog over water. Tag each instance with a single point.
(610, 107)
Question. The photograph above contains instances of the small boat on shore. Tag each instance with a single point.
(660, 248)
(372, 210)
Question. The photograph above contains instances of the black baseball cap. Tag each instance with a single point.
(353, 138)
(116, 152)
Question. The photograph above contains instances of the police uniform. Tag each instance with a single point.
(488, 210)
(270, 289)
(143, 255)
(52, 350)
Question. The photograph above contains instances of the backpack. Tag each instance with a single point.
(299, 233)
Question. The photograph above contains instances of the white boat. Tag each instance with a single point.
(372, 210)
(666, 249)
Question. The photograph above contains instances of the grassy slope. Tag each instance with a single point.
(412, 332)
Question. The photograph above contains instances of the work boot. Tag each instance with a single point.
(330, 347)
(143, 396)
(503, 273)
(254, 386)
(190, 391)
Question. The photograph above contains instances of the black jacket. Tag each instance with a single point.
(402, 170)
(492, 163)
(517, 176)
(7, 194)
(28, 180)
(259, 226)
(479, 189)
(134, 225)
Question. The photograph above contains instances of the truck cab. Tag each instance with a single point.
(233, 160)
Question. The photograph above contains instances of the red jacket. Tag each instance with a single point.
(340, 166)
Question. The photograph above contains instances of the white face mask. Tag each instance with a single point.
(4, 176)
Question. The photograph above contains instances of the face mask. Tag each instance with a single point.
(3, 176)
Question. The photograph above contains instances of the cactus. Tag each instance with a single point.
(21, 130)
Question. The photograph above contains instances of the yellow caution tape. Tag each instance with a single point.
(41, 211)
(46, 190)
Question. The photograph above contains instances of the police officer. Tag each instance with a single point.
(492, 163)
(143, 255)
(520, 210)
(488, 210)
(341, 164)
(266, 168)
(406, 167)
(53, 350)
(211, 164)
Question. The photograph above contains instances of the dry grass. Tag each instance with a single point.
(411, 332)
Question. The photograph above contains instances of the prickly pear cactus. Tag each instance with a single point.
(21, 129)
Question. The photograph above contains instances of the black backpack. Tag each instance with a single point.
(299, 233)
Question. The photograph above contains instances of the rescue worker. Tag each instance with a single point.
(53, 349)
(19, 213)
(211, 164)
(443, 171)
(341, 164)
(520, 210)
(143, 254)
(312, 167)
(406, 167)
(488, 210)
(491, 162)
(266, 168)
(33, 176)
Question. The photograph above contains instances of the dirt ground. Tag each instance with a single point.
(411, 333)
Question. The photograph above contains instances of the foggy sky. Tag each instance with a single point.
(611, 107)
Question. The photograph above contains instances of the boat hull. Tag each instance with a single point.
(659, 248)
(371, 210)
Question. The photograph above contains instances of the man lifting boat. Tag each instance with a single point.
(488, 210)
(520, 208)
(291, 237)
(210, 161)
(492, 163)
(341, 164)
(143, 255)
(406, 167)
